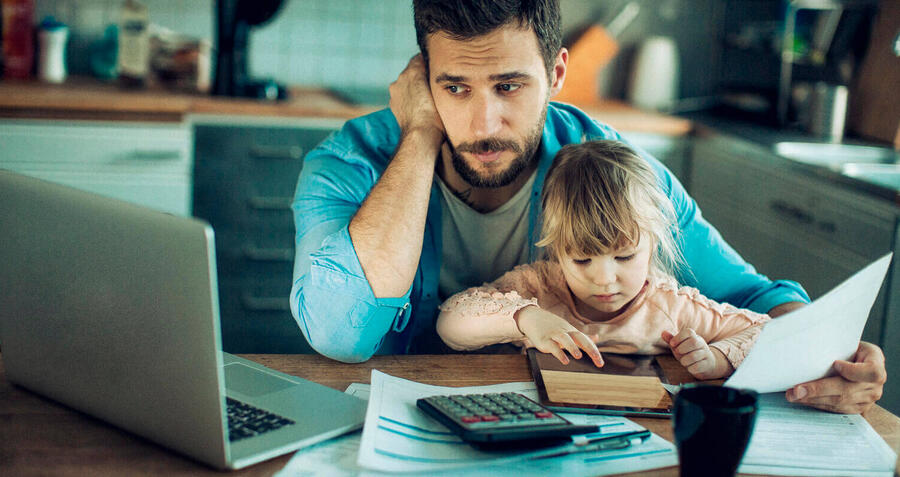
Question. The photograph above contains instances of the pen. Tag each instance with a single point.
(601, 443)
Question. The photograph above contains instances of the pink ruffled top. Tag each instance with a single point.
(484, 315)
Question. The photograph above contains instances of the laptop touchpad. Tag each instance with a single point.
(253, 382)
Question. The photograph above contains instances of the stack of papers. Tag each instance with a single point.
(790, 439)
(398, 437)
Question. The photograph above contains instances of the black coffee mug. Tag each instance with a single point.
(713, 425)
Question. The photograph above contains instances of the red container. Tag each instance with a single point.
(18, 38)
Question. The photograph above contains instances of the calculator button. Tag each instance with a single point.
(543, 414)
(469, 419)
(489, 418)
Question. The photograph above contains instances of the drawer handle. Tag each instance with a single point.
(829, 227)
(269, 254)
(155, 155)
(792, 212)
(291, 153)
(260, 303)
(261, 202)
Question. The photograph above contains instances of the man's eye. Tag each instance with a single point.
(625, 258)
(508, 87)
(455, 89)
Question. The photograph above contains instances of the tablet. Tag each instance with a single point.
(626, 385)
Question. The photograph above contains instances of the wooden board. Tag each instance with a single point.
(874, 110)
(626, 384)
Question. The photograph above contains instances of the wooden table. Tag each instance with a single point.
(38, 436)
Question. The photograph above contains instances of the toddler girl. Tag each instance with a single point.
(609, 234)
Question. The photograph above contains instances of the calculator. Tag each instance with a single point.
(501, 420)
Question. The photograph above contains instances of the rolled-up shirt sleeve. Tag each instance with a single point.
(331, 299)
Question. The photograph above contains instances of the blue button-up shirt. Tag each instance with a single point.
(334, 304)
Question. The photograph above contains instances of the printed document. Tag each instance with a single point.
(338, 457)
(398, 437)
(802, 345)
(790, 439)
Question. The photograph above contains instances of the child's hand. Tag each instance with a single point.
(692, 351)
(551, 334)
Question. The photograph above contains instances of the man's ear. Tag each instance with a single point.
(558, 75)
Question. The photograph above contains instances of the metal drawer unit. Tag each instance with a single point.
(790, 225)
(244, 181)
(144, 163)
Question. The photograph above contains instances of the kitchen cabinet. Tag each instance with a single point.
(891, 343)
(145, 163)
(244, 180)
(673, 151)
(791, 225)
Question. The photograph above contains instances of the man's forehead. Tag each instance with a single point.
(504, 53)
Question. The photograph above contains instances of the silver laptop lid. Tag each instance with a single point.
(111, 309)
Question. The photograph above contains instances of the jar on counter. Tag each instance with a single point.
(134, 44)
(52, 38)
(17, 38)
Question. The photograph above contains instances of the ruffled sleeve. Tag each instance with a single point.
(485, 315)
(729, 329)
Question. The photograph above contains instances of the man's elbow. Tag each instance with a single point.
(339, 353)
(329, 341)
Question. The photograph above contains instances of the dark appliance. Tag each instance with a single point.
(234, 20)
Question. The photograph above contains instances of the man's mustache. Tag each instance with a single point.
(491, 144)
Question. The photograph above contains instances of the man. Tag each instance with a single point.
(409, 205)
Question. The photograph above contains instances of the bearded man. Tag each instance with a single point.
(409, 205)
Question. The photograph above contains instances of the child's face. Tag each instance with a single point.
(604, 284)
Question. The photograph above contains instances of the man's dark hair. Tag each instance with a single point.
(467, 19)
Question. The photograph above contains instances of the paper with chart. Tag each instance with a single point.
(398, 437)
(802, 345)
(337, 457)
(791, 439)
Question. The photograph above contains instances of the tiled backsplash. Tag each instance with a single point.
(359, 43)
(366, 43)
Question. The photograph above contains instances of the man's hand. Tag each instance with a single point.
(854, 390)
(694, 353)
(551, 334)
(412, 103)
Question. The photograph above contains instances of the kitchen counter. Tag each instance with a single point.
(766, 137)
(85, 98)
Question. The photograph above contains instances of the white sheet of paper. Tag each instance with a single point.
(337, 457)
(791, 439)
(802, 345)
(398, 437)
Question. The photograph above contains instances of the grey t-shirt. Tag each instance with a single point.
(479, 247)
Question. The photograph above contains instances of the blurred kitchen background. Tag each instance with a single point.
(780, 117)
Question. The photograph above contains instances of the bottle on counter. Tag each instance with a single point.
(134, 44)
(18, 40)
(52, 37)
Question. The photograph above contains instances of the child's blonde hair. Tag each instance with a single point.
(599, 197)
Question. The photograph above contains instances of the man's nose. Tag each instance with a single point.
(486, 116)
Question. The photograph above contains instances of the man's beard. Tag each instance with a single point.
(525, 156)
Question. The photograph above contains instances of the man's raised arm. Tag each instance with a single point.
(358, 243)
(388, 230)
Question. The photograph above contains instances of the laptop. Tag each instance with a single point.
(112, 309)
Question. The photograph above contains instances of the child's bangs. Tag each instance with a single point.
(591, 234)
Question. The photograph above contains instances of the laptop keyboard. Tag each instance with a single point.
(245, 420)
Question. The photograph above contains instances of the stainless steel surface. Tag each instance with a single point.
(828, 111)
(885, 174)
(834, 156)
